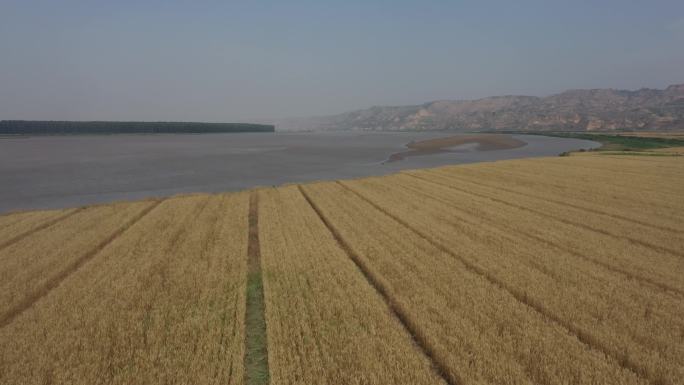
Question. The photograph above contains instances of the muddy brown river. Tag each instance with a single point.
(66, 171)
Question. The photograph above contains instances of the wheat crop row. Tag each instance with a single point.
(326, 324)
(641, 326)
(482, 333)
(546, 271)
(26, 266)
(623, 255)
(163, 303)
(649, 236)
(16, 225)
(548, 182)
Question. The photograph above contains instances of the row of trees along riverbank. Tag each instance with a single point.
(29, 127)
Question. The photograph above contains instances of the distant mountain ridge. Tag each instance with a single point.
(572, 110)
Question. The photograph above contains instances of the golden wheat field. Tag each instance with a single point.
(565, 270)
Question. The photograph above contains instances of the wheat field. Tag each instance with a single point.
(565, 270)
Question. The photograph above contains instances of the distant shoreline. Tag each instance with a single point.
(53, 128)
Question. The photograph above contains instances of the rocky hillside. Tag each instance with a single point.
(574, 110)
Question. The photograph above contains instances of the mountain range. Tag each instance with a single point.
(573, 110)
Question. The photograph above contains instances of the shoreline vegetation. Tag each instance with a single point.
(627, 142)
(50, 127)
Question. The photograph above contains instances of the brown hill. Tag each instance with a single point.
(573, 110)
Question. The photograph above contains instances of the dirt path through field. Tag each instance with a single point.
(256, 357)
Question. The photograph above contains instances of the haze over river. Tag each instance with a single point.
(67, 171)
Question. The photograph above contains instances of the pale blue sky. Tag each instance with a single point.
(231, 61)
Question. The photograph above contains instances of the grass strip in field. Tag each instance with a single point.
(55, 280)
(256, 345)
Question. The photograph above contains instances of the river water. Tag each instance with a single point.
(67, 171)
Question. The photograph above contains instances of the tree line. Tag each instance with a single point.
(34, 127)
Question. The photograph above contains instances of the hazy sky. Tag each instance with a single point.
(232, 61)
